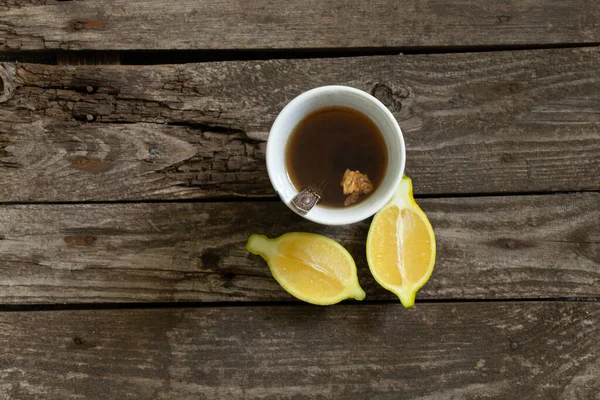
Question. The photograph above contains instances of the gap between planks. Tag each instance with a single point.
(260, 198)
(229, 304)
(160, 57)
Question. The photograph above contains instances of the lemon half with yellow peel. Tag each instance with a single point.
(310, 267)
(401, 245)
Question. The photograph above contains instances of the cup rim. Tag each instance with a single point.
(342, 216)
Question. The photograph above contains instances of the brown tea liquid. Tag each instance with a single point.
(326, 143)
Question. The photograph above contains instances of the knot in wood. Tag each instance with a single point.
(507, 158)
(7, 85)
(82, 161)
(390, 98)
(79, 26)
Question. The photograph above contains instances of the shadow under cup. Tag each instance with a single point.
(328, 96)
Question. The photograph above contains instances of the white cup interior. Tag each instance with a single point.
(345, 96)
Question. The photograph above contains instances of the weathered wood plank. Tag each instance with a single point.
(312, 24)
(437, 351)
(488, 248)
(474, 123)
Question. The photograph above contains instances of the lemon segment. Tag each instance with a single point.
(310, 267)
(401, 245)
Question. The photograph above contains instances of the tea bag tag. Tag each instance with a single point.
(305, 200)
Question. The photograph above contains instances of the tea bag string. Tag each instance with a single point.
(319, 188)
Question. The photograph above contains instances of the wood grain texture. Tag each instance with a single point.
(488, 248)
(313, 24)
(437, 351)
(473, 123)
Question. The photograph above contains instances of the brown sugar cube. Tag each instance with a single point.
(354, 184)
(354, 181)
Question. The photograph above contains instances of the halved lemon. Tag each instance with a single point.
(401, 245)
(310, 267)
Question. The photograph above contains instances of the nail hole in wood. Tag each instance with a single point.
(153, 152)
(80, 240)
(210, 258)
(87, 24)
(228, 278)
(82, 161)
(91, 165)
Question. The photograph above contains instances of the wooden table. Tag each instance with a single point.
(132, 171)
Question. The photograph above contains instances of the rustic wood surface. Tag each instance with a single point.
(488, 248)
(127, 193)
(524, 121)
(546, 350)
(313, 24)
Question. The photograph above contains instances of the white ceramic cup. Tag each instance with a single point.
(326, 96)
